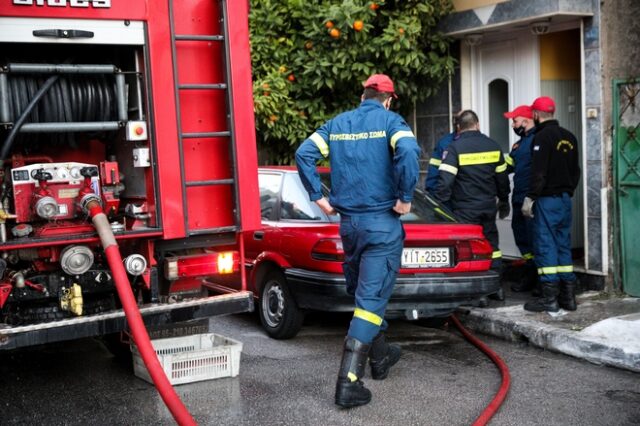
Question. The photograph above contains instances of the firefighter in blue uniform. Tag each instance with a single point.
(436, 159)
(472, 175)
(555, 172)
(374, 170)
(519, 163)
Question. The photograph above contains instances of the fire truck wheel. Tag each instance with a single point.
(279, 314)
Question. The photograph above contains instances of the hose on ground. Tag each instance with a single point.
(134, 318)
(499, 397)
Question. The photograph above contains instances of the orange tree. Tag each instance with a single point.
(310, 58)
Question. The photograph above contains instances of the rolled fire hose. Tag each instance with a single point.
(134, 318)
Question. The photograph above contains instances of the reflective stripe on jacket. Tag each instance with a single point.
(473, 173)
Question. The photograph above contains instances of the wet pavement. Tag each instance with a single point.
(605, 329)
(440, 380)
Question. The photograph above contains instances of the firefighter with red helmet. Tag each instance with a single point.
(374, 170)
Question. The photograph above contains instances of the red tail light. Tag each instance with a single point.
(328, 249)
(198, 265)
(473, 250)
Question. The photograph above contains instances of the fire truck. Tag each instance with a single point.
(142, 109)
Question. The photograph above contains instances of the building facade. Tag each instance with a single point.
(583, 53)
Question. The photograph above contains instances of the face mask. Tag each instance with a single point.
(520, 131)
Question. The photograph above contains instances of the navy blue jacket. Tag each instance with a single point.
(435, 160)
(519, 163)
(373, 156)
(473, 174)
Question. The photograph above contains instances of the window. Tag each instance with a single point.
(295, 201)
(269, 184)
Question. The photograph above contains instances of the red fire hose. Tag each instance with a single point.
(138, 330)
(499, 397)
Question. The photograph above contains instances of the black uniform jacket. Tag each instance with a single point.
(555, 165)
(473, 173)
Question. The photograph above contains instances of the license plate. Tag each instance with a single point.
(433, 257)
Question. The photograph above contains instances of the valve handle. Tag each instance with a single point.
(41, 175)
(89, 172)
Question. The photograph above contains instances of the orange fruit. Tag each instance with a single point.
(265, 93)
(357, 25)
(335, 33)
(374, 6)
(308, 45)
(273, 118)
(291, 77)
(401, 30)
(282, 69)
(329, 24)
(265, 86)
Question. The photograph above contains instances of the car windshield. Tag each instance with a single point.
(424, 208)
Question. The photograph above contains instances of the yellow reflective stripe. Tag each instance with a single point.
(352, 377)
(479, 158)
(435, 162)
(448, 168)
(509, 160)
(548, 270)
(501, 168)
(367, 316)
(399, 135)
(320, 143)
(527, 256)
(496, 254)
(442, 213)
(565, 268)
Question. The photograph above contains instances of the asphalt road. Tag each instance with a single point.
(440, 380)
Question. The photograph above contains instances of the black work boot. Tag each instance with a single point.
(527, 280)
(567, 297)
(382, 357)
(548, 302)
(350, 390)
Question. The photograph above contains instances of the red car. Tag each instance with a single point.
(294, 263)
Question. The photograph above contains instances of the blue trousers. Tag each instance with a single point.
(373, 248)
(552, 238)
(522, 231)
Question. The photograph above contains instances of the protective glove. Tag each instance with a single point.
(527, 207)
(503, 209)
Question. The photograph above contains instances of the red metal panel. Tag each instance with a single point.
(166, 131)
(119, 9)
(241, 80)
(214, 208)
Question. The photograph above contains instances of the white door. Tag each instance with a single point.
(505, 74)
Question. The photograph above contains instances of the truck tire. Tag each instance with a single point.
(279, 314)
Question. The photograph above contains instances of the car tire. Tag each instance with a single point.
(279, 314)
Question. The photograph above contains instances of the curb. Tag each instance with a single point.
(508, 323)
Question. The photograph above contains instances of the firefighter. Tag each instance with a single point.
(471, 176)
(374, 169)
(555, 173)
(436, 158)
(519, 163)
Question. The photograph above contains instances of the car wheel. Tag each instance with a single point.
(280, 316)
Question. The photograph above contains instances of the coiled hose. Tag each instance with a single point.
(58, 99)
(499, 397)
(134, 318)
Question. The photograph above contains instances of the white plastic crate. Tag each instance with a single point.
(192, 358)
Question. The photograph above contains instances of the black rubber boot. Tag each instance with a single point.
(527, 280)
(350, 390)
(567, 297)
(548, 302)
(382, 357)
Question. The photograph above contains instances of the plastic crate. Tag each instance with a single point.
(192, 358)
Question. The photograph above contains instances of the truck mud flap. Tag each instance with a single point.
(154, 315)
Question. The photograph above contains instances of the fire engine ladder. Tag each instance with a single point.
(230, 134)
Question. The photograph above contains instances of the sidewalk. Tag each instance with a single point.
(604, 330)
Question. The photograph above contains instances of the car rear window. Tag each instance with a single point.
(424, 208)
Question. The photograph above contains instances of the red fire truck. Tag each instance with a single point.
(143, 108)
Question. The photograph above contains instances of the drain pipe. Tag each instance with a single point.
(91, 204)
